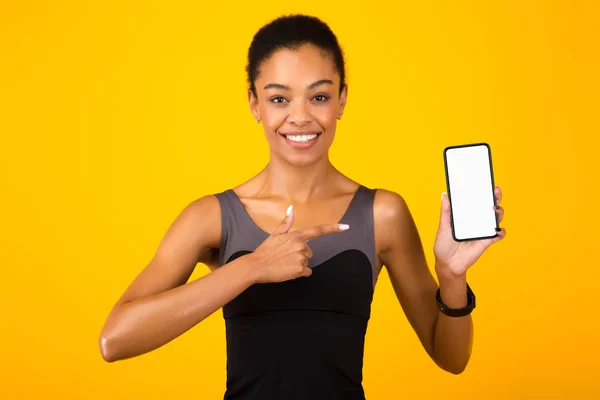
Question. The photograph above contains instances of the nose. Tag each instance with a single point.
(299, 114)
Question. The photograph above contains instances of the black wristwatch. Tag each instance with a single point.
(456, 312)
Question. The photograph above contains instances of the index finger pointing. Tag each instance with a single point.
(322, 230)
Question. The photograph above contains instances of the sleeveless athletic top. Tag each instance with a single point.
(303, 338)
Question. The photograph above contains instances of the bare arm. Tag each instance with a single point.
(159, 306)
(447, 340)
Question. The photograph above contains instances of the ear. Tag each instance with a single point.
(253, 103)
(343, 100)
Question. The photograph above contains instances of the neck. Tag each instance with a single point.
(297, 184)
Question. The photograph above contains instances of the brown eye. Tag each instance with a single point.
(277, 99)
(321, 98)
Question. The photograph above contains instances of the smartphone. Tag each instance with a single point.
(470, 188)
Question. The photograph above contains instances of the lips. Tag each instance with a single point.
(299, 134)
(300, 139)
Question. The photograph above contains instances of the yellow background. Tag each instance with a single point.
(116, 114)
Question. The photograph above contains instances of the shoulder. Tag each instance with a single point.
(391, 216)
(203, 207)
(201, 218)
(389, 206)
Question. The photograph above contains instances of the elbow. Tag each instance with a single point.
(111, 338)
(108, 348)
(453, 367)
(456, 370)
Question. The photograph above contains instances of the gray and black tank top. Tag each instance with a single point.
(304, 338)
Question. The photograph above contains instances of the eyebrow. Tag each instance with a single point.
(311, 86)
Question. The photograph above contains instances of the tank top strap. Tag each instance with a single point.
(360, 209)
(238, 231)
(362, 223)
(360, 236)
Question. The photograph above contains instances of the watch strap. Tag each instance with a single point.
(456, 312)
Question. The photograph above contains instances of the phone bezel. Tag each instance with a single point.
(489, 150)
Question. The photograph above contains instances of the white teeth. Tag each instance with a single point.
(301, 138)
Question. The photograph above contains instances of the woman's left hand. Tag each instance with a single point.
(454, 258)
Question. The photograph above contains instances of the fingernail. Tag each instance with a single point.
(289, 210)
(443, 193)
(344, 226)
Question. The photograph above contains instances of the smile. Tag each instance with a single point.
(301, 139)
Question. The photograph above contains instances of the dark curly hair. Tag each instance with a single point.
(291, 32)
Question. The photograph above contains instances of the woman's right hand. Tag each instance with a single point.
(284, 255)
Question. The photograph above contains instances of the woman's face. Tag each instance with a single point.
(298, 100)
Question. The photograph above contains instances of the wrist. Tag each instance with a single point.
(453, 289)
(246, 267)
(454, 310)
(444, 272)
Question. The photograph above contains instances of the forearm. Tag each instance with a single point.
(453, 337)
(142, 325)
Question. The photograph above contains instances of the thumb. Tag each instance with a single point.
(445, 212)
(287, 222)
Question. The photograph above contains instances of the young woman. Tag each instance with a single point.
(295, 252)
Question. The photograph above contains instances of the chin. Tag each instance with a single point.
(300, 159)
(303, 160)
(303, 154)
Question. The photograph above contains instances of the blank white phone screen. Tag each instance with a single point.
(471, 191)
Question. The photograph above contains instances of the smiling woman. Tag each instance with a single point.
(298, 100)
(297, 84)
(295, 251)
